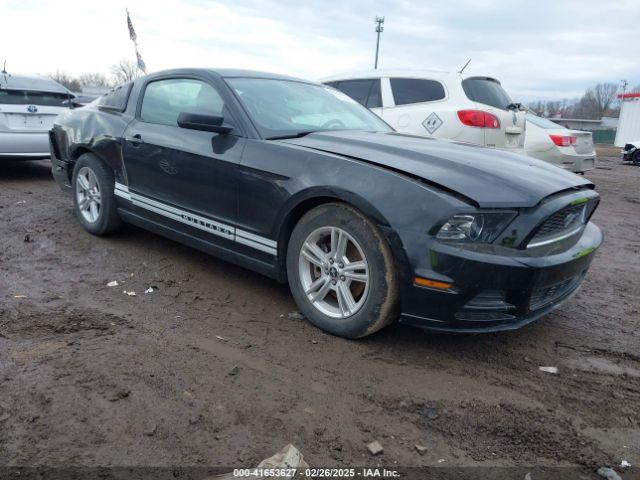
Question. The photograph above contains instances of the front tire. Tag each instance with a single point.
(341, 272)
(636, 158)
(93, 195)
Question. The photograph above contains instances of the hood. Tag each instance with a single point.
(491, 178)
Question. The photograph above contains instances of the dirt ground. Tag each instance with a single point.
(210, 369)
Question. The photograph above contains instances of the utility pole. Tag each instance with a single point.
(624, 84)
(379, 29)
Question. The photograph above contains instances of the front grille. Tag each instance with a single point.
(545, 296)
(556, 223)
(563, 223)
(480, 316)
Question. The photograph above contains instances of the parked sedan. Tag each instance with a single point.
(572, 150)
(299, 182)
(28, 107)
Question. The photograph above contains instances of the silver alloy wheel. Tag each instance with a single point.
(88, 194)
(334, 272)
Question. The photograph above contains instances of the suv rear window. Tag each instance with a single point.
(365, 92)
(117, 98)
(416, 90)
(487, 91)
(26, 97)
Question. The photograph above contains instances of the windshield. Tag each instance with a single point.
(26, 97)
(542, 122)
(283, 108)
(487, 91)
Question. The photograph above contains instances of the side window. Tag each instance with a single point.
(365, 92)
(414, 90)
(164, 100)
(375, 97)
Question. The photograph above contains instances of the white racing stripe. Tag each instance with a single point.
(211, 226)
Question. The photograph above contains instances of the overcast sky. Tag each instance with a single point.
(538, 49)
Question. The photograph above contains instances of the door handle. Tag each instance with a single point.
(134, 139)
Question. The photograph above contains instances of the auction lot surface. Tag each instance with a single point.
(210, 369)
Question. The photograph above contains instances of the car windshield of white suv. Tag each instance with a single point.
(487, 91)
(26, 97)
(285, 108)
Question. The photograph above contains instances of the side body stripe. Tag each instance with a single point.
(211, 226)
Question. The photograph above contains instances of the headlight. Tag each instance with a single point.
(475, 227)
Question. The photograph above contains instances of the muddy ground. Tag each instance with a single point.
(209, 369)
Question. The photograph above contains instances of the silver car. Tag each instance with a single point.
(28, 108)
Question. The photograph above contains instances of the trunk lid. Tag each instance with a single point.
(489, 96)
(30, 111)
(584, 142)
(26, 118)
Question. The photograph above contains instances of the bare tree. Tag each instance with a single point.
(537, 107)
(601, 97)
(95, 79)
(66, 80)
(124, 71)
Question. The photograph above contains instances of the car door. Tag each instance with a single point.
(364, 91)
(420, 108)
(189, 176)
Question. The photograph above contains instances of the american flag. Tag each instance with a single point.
(132, 32)
(141, 64)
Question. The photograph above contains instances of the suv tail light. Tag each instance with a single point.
(478, 118)
(563, 140)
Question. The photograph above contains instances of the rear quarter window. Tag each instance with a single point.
(117, 98)
(366, 91)
(416, 90)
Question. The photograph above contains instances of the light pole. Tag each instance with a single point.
(379, 29)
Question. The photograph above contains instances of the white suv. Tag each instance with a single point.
(439, 104)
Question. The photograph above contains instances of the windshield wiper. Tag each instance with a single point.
(291, 135)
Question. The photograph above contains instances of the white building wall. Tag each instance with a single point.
(629, 124)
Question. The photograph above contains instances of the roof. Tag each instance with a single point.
(232, 72)
(391, 73)
(406, 73)
(629, 95)
(32, 83)
(227, 73)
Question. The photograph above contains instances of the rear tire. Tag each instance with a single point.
(341, 272)
(93, 195)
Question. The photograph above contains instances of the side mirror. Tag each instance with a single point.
(205, 123)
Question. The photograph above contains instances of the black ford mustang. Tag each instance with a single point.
(297, 181)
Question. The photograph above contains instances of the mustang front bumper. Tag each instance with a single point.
(492, 292)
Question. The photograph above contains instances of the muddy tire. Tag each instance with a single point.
(341, 272)
(93, 195)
